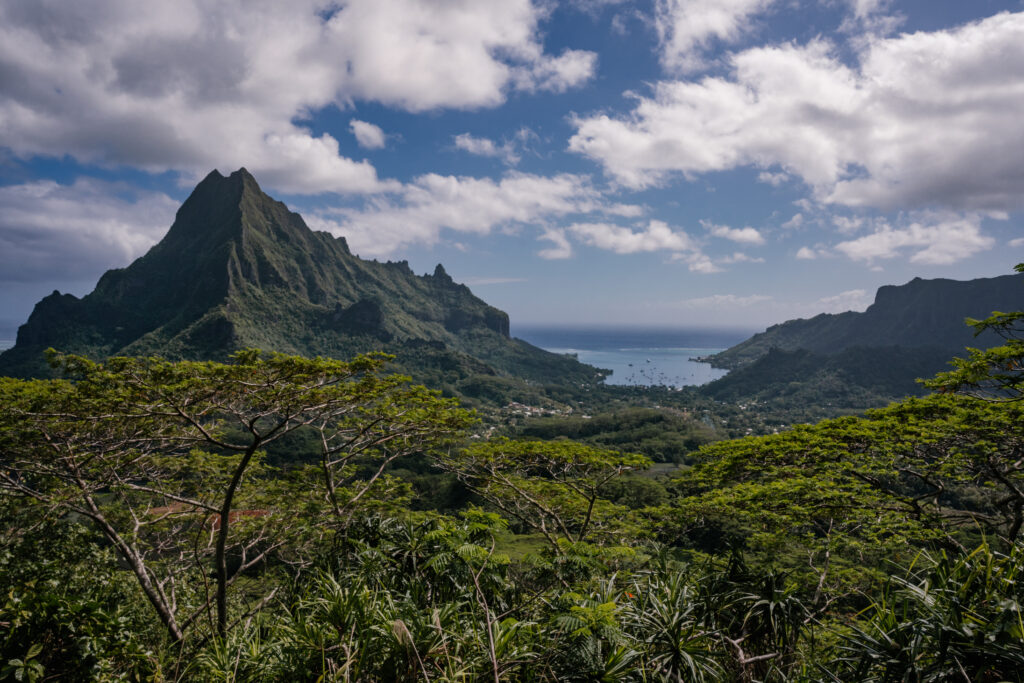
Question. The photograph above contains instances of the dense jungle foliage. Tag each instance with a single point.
(281, 518)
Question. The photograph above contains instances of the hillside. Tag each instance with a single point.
(850, 361)
(238, 269)
(921, 313)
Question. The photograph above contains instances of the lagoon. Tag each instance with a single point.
(639, 356)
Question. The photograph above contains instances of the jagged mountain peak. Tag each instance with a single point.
(238, 269)
(218, 209)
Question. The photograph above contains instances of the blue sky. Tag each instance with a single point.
(721, 163)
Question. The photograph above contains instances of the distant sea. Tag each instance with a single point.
(6, 344)
(639, 356)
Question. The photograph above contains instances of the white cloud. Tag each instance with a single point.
(871, 17)
(86, 228)
(432, 203)
(367, 134)
(557, 74)
(865, 8)
(794, 223)
(1019, 242)
(486, 147)
(298, 163)
(197, 84)
(746, 235)
(773, 179)
(847, 225)
(698, 263)
(931, 239)
(561, 247)
(654, 236)
(687, 27)
(923, 119)
(850, 300)
(807, 254)
(657, 236)
(740, 257)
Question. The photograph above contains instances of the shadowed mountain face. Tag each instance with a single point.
(919, 314)
(238, 269)
(859, 360)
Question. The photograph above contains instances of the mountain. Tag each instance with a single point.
(846, 362)
(919, 314)
(238, 269)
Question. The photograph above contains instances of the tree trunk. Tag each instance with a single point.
(220, 556)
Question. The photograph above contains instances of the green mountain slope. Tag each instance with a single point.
(921, 313)
(831, 364)
(238, 269)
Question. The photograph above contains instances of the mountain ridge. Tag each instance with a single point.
(919, 313)
(846, 362)
(238, 269)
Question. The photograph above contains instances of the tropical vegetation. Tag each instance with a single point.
(282, 518)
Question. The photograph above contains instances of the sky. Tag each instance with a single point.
(670, 163)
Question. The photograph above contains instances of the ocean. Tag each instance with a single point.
(639, 356)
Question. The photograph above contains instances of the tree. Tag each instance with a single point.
(120, 445)
(994, 374)
(556, 488)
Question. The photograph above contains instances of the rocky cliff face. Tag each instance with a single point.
(238, 269)
(919, 314)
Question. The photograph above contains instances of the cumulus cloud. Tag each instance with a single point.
(871, 16)
(847, 224)
(773, 179)
(687, 27)
(557, 74)
(698, 263)
(794, 223)
(653, 236)
(740, 257)
(367, 134)
(807, 253)
(433, 203)
(87, 228)
(931, 239)
(746, 235)
(561, 247)
(656, 236)
(197, 84)
(863, 9)
(921, 119)
(1019, 242)
(486, 147)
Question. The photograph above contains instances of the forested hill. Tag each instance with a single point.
(845, 363)
(919, 314)
(238, 269)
